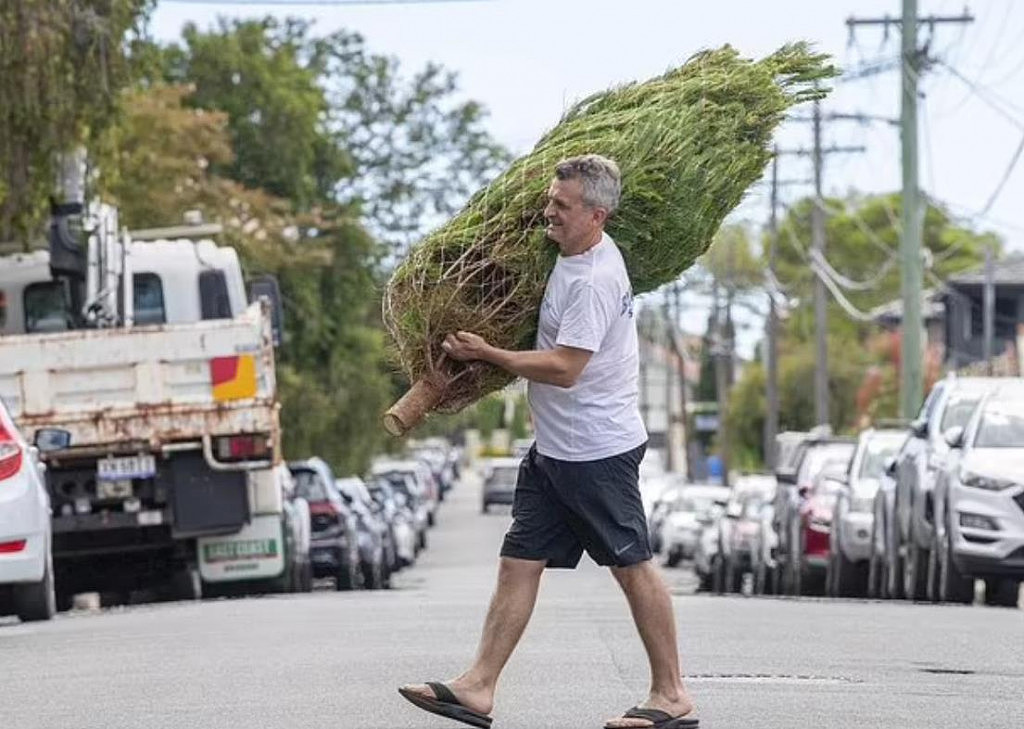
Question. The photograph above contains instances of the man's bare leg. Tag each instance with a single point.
(507, 617)
(651, 606)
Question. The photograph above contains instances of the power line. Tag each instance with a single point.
(299, 3)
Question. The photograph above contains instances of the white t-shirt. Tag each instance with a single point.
(588, 304)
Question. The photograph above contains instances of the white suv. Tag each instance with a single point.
(979, 504)
(26, 560)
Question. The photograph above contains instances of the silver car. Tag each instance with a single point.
(979, 503)
(686, 517)
(852, 517)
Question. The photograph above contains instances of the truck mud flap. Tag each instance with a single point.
(206, 501)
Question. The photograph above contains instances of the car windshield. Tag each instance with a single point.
(696, 504)
(398, 482)
(820, 455)
(309, 485)
(1001, 426)
(877, 451)
(958, 410)
(504, 476)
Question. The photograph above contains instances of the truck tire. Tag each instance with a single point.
(373, 576)
(183, 584)
(37, 600)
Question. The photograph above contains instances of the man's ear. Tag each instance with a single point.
(600, 215)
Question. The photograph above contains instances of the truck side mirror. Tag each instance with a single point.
(67, 254)
(919, 428)
(267, 286)
(51, 439)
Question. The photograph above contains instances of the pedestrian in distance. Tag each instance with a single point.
(577, 488)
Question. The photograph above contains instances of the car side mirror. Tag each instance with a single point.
(890, 466)
(919, 428)
(803, 491)
(51, 439)
(954, 436)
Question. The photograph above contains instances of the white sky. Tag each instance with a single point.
(528, 60)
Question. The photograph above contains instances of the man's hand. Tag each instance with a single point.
(465, 346)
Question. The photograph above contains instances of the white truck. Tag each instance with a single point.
(147, 381)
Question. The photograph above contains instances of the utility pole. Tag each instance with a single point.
(989, 309)
(722, 352)
(667, 366)
(817, 154)
(771, 419)
(820, 303)
(680, 350)
(911, 263)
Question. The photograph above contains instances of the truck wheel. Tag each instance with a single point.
(373, 576)
(184, 584)
(1002, 592)
(37, 600)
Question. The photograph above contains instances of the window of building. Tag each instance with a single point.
(213, 295)
(148, 298)
(46, 307)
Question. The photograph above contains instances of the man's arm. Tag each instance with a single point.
(560, 366)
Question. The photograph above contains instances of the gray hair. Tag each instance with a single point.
(602, 181)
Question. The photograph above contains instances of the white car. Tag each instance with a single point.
(686, 519)
(979, 504)
(26, 556)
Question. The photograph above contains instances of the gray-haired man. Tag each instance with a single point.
(578, 486)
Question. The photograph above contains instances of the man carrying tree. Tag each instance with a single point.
(578, 486)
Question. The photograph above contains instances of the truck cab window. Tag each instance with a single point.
(213, 295)
(148, 297)
(46, 308)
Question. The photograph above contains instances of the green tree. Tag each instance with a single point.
(62, 65)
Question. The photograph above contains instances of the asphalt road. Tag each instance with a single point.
(334, 659)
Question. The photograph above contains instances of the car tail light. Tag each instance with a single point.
(10, 454)
(323, 515)
(12, 547)
(242, 447)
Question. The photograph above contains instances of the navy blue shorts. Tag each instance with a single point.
(562, 508)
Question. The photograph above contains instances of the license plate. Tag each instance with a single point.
(126, 467)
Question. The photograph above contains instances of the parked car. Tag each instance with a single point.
(399, 517)
(334, 544)
(434, 453)
(687, 514)
(802, 513)
(500, 476)
(706, 551)
(979, 504)
(373, 536)
(298, 576)
(411, 489)
(884, 578)
(26, 559)
(949, 405)
(658, 493)
(737, 531)
(426, 485)
(764, 551)
(852, 519)
(520, 447)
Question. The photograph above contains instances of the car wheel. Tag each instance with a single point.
(347, 577)
(1002, 592)
(423, 540)
(850, 579)
(875, 566)
(373, 576)
(915, 571)
(431, 519)
(483, 509)
(717, 576)
(675, 556)
(953, 585)
(37, 600)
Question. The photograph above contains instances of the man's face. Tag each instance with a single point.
(572, 224)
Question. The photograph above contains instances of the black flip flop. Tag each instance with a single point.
(445, 704)
(661, 719)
